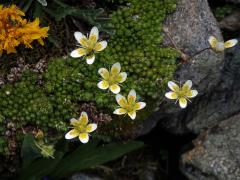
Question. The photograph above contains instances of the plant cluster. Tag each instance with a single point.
(15, 30)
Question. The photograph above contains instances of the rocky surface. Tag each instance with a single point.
(234, 1)
(190, 27)
(231, 22)
(216, 153)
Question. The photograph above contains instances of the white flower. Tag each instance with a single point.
(89, 46)
(218, 46)
(81, 128)
(181, 94)
(128, 106)
(112, 79)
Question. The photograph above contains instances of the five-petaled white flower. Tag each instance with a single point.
(181, 94)
(89, 46)
(218, 46)
(81, 128)
(112, 79)
(128, 106)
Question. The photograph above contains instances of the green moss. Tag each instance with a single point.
(136, 45)
(69, 82)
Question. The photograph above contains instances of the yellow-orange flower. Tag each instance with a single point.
(14, 30)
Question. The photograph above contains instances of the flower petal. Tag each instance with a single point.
(103, 85)
(93, 37)
(192, 93)
(81, 39)
(122, 77)
(171, 95)
(230, 43)
(116, 68)
(74, 122)
(90, 59)
(120, 111)
(72, 134)
(121, 100)
(91, 127)
(212, 41)
(187, 85)
(104, 73)
(173, 86)
(83, 118)
(84, 137)
(139, 105)
(132, 96)
(78, 53)
(115, 88)
(100, 46)
(183, 102)
(132, 114)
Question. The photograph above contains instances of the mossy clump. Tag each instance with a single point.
(136, 44)
(49, 100)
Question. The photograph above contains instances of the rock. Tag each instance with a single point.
(216, 153)
(234, 1)
(222, 102)
(190, 27)
(82, 176)
(231, 22)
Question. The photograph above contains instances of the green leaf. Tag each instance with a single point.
(29, 151)
(40, 168)
(89, 155)
(42, 2)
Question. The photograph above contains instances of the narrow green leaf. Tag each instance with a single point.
(90, 155)
(40, 168)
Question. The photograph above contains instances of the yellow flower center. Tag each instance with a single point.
(182, 93)
(113, 79)
(80, 128)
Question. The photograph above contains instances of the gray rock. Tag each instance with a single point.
(231, 22)
(82, 176)
(190, 27)
(216, 155)
(222, 102)
(234, 1)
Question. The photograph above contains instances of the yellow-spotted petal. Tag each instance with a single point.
(132, 96)
(78, 53)
(116, 68)
(183, 102)
(173, 86)
(104, 73)
(132, 114)
(83, 118)
(74, 122)
(90, 59)
(122, 77)
(192, 93)
(120, 111)
(171, 95)
(84, 137)
(93, 37)
(81, 39)
(91, 127)
(230, 43)
(103, 84)
(115, 88)
(121, 100)
(140, 105)
(187, 85)
(212, 41)
(100, 46)
(72, 134)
